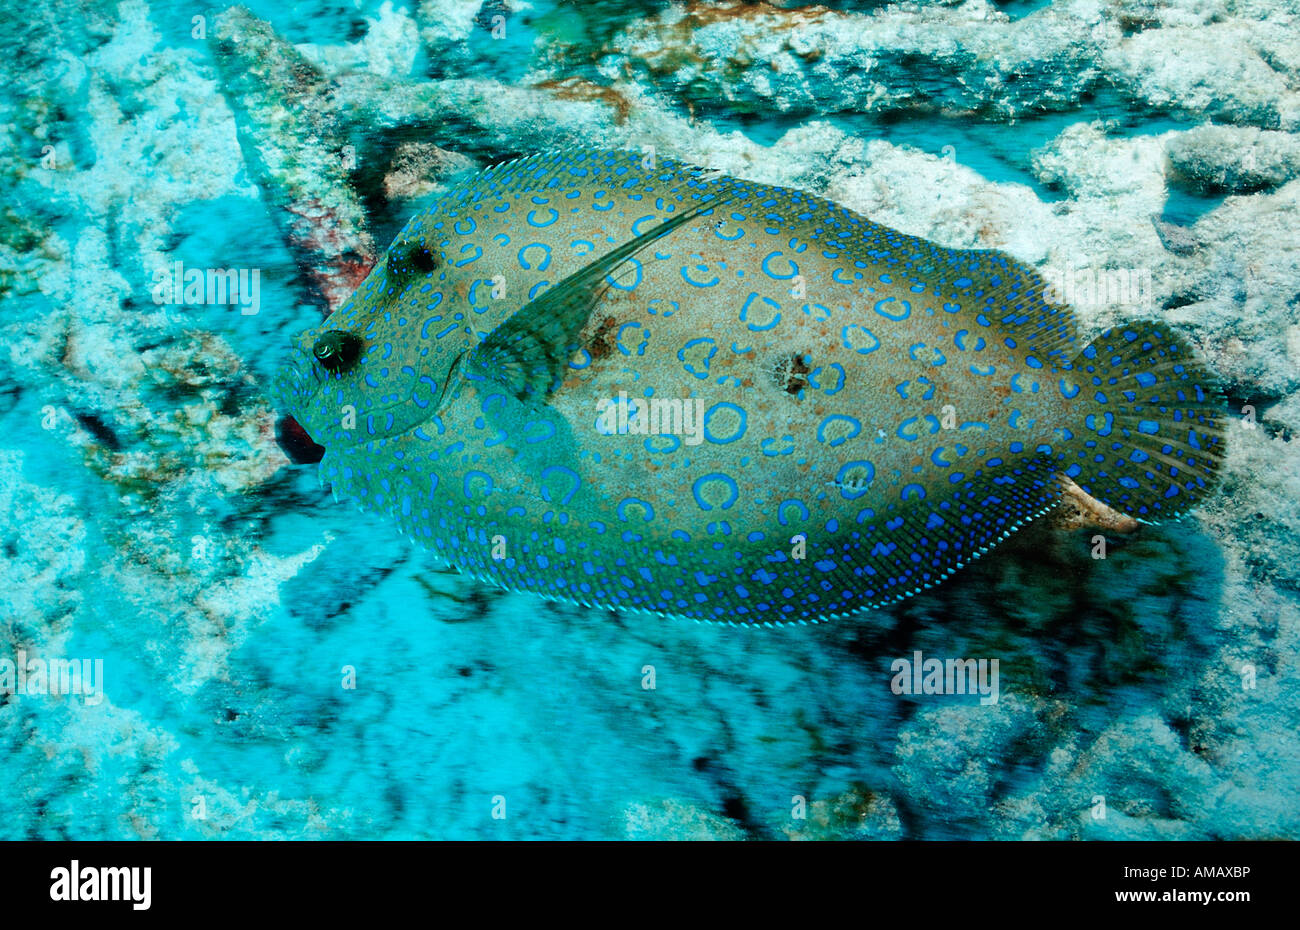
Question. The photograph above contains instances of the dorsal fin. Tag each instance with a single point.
(527, 352)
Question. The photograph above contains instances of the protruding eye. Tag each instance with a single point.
(337, 350)
(423, 260)
(404, 259)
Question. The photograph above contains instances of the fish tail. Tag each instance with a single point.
(1149, 441)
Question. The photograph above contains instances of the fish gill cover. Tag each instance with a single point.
(739, 312)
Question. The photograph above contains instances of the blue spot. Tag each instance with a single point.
(904, 311)
(794, 269)
(862, 481)
(854, 426)
(740, 427)
(545, 261)
(861, 347)
(757, 327)
(625, 502)
(733, 492)
(791, 502)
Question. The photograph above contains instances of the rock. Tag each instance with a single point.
(297, 150)
(1234, 160)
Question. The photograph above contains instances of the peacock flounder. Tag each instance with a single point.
(659, 388)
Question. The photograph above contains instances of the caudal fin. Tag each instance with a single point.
(1149, 441)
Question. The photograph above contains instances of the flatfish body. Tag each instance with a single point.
(655, 387)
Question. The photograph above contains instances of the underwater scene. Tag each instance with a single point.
(667, 420)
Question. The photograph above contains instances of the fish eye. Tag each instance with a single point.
(403, 259)
(337, 350)
(423, 259)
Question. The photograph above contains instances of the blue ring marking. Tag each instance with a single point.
(681, 356)
(691, 281)
(936, 457)
(469, 475)
(676, 444)
(555, 215)
(739, 232)
(740, 431)
(587, 361)
(545, 262)
(791, 501)
(903, 426)
(645, 339)
(465, 232)
(630, 287)
(850, 493)
(984, 371)
(1066, 392)
(789, 450)
(839, 383)
(824, 314)
(844, 335)
(755, 327)
(715, 476)
(590, 246)
(569, 473)
(912, 492)
(907, 309)
(501, 239)
(478, 253)
(623, 504)
(636, 225)
(537, 288)
(549, 430)
(853, 423)
(660, 300)
(794, 268)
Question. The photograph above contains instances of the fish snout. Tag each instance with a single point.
(294, 390)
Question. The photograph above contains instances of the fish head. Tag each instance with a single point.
(379, 365)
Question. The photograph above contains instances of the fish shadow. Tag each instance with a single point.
(1063, 620)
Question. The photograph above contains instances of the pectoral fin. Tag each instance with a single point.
(527, 353)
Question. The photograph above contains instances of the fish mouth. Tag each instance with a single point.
(294, 389)
(295, 443)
